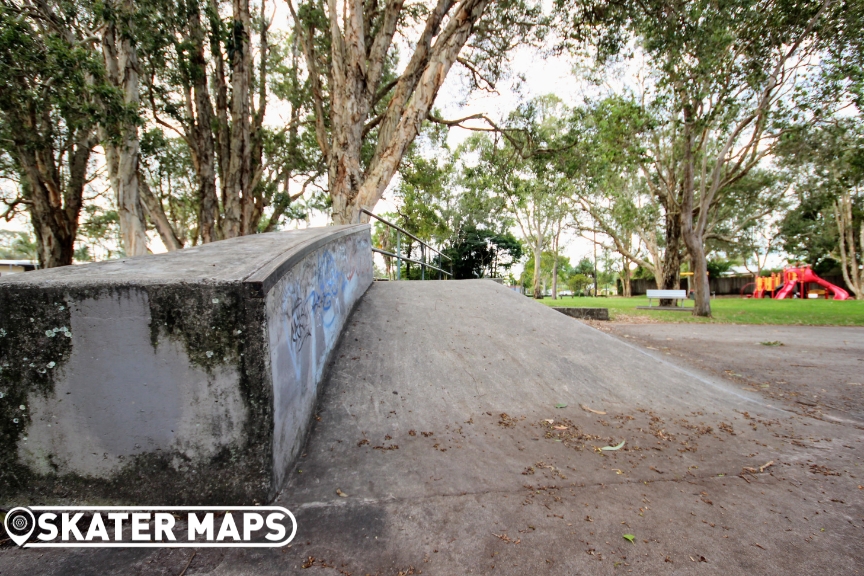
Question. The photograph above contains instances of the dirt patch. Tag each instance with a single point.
(812, 370)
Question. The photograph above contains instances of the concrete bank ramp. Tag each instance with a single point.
(439, 446)
(180, 378)
(466, 360)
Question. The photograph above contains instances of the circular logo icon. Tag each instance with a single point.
(19, 525)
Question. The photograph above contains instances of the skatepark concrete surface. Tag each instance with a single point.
(461, 431)
(813, 369)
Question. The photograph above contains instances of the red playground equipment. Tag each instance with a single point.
(795, 280)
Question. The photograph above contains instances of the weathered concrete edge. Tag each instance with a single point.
(308, 426)
(265, 278)
(590, 313)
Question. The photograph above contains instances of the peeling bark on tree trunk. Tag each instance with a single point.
(625, 278)
(670, 279)
(853, 275)
(121, 151)
(692, 235)
(357, 58)
(538, 252)
(153, 207)
(55, 205)
(555, 264)
(237, 192)
(201, 135)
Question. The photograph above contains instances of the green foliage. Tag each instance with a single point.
(585, 266)
(49, 82)
(99, 233)
(717, 267)
(547, 263)
(166, 163)
(826, 162)
(53, 95)
(480, 253)
(737, 311)
(18, 246)
(578, 282)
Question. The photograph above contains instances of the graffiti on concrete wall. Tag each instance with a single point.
(308, 308)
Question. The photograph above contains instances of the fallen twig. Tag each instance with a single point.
(587, 409)
(194, 552)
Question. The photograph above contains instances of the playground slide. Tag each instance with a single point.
(839, 293)
(806, 275)
(785, 291)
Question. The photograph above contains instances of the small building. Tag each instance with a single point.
(16, 266)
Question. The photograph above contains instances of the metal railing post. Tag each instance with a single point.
(423, 262)
(398, 256)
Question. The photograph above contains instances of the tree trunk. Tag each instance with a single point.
(555, 279)
(349, 102)
(360, 39)
(237, 192)
(671, 276)
(384, 164)
(538, 253)
(55, 235)
(201, 133)
(692, 236)
(153, 207)
(852, 274)
(223, 139)
(121, 150)
(555, 268)
(54, 210)
(625, 278)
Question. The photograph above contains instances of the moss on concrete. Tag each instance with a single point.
(207, 319)
(216, 324)
(35, 343)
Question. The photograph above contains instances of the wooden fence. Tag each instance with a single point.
(723, 286)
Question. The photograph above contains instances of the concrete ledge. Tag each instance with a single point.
(589, 313)
(181, 378)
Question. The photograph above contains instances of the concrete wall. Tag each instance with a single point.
(307, 310)
(181, 378)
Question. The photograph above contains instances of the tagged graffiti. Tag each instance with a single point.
(300, 328)
(312, 303)
(319, 302)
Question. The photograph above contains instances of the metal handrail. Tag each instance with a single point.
(423, 246)
(403, 231)
(426, 264)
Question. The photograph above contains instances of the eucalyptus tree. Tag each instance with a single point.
(119, 136)
(828, 219)
(209, 73)
(367, 111)
(54, 94)
(724, 73)
(610, 197)
(534, 193)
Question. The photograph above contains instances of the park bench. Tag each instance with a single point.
(664, 295)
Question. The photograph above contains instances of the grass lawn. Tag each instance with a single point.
(733, 310)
